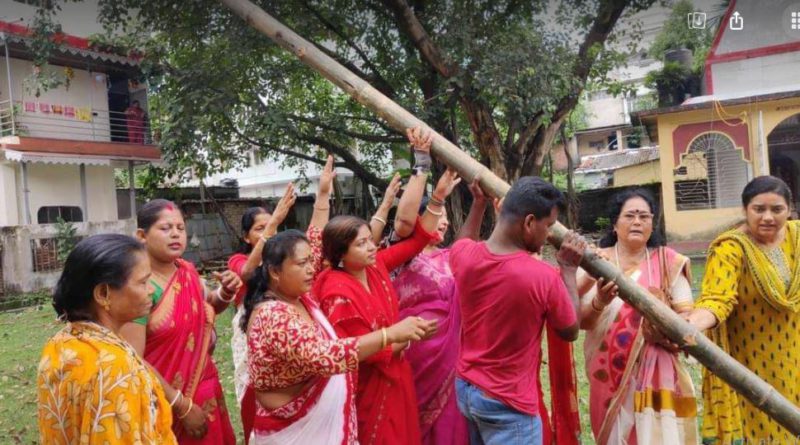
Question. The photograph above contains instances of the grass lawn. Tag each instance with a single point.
(24, 334)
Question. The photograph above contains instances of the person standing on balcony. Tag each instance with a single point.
(177, 337)
(135, 120)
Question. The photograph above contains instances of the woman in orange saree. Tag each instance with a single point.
(177, 338)
(92, 385)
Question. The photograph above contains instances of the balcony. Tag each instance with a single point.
(55, 121)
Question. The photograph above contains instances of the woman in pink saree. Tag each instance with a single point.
(639, 390)
(426, 288)
(177, 338)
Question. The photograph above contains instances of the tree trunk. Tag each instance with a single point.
(741, 379)
(572, 198)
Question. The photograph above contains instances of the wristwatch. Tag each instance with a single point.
(416, 171)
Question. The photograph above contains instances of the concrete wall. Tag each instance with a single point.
(58, 185)
(76, 18)
(647, 173)
(87, 90)
(761, 119)
(9, 214)
(17, 256)
(768, 73)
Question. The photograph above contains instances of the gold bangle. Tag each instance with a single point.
(594, 308)
(429, 209)
(384, 339)
(379, 219)
(223, 299)
(322, 208)
(175, 399)
(191, 405)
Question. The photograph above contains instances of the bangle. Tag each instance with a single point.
(223, 299)
(595, 308)
(191, 405)
(384, 338)
(379, 219)
(177, 395)
(265, 237)
(322, 208)
(436, 201)
(429, 209)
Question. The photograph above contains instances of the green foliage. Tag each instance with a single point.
(671, 82)
(602, 223)
(218, 87)
(675, 34)
(66, 238)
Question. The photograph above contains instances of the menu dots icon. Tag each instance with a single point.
(796, 20)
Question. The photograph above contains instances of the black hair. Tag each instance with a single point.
(617, 202)
(277, 249)
(766, 184)
(99, 259)
(248, 220)
(337, 236)
(149, 213)
(531, 195)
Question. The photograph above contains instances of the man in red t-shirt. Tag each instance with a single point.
(506, 296)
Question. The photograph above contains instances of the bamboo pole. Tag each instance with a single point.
(741, 379)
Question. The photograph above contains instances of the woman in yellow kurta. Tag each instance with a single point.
(93, 388)
(751, 297)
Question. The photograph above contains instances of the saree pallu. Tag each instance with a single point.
(639, 392)
(94, 388)
(426, 288)
(385, 397)
(180, 338)
(322, 414)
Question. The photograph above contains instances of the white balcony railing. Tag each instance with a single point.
(74, 123)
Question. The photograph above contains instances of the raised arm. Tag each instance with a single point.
(281, 210)
(322, 205)
(408, 207)
(433, 211)
(379, 220)
(472, 225)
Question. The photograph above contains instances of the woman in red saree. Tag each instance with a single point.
(302, 386)
(177, 338)
(357, 296)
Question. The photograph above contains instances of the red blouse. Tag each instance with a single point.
(284, 349)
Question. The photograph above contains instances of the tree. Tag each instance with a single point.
(498, 78)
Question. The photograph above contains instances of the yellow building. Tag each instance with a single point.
(747, 125)
(711, 149)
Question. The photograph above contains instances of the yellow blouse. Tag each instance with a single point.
(94, 389)
(743, 288)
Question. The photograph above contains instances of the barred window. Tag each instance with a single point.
(712, 174)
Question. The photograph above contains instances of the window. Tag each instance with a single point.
(50, 214)
(711, 175)
(613, 143)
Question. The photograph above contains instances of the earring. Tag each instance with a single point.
(106, 304)
(341, 264)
